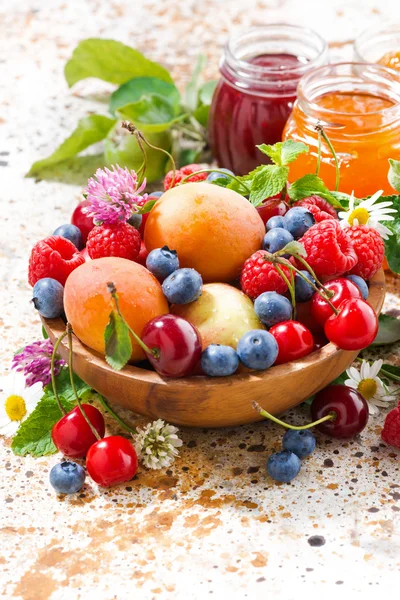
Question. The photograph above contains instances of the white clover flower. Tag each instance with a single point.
(156, 444)
(369, 212)
(370, 386)
(16, 401)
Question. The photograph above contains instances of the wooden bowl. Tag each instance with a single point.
(212, 402)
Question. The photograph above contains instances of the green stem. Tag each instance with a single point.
(71, 377)
(320, 129)
(290, 286)
(319, 153)
(115, 416)
(154, 351)
(142, 170)
(53, 377)
(267, 415)
(216, 171)
(329, 293)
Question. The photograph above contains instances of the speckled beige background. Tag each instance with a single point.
(214, 525)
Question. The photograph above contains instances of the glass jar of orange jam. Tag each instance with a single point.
(379, 45)
(358, 106)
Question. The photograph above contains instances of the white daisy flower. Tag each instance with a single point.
(157, 444)
(370, 386)
(369, 212)
(16, 401)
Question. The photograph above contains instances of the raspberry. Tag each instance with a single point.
(260, 276)
(319, 207)
(121, 240)
(54, 257)
(370, 249)
(181, 174)
(391, 428)
(330, 251)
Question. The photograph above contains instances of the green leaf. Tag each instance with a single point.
(283, 153)
(90, 130)
(392, 243)
(206, 91)
(394, 174)
(342, 198)
(151, 113)
(267, 181)
(389, 330)
(295, 248)
(44, 333)
(111, 61)
(201, 114)
(188, 156)
(311, 184)
(34, 435)
(192, 88)
(134, 89)
(147, 207)
(117, 341)
(390, 371)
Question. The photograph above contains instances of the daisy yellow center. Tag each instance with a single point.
(15, 408)
(367, 388)
(361, 214)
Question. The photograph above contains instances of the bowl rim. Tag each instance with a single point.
(55, 327)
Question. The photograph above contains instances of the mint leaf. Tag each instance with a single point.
(267, 181)
(146, 208)
(206, 91)
(151, 113)
(392, 244)
(342, 198)
(192, 88)
(283, 153)
(110, 61)
(89, 130)
(201, 114)
(118, 342)
(389, 330)
(394, 174)
(134, 89)
(64, 387)
(311, 184)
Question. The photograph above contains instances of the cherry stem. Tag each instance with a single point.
(113, 291)
(321, 131)
(290, 286)
(329, 293)
(53, 377)
(108, 408)
(216, 171)
(319, 153)
(139, 136)
(71, 377)
(267, 415)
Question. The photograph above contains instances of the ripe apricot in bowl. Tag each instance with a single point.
(88, 304)
(214, 230)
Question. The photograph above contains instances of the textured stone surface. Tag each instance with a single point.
(214, 525)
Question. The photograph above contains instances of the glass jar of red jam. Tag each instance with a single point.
(379, 45)
(358, 106)
(260, 70)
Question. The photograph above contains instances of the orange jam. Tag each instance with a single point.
(391, 60)
(358, 107)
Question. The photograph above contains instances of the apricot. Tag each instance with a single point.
(88, 304)
(214, 230)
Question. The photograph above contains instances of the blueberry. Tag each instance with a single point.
(276, 239)
(183, 286)
(219, 361)
(155, 194)
(272, 308)
(302, 443)
(70, 232)
(67, 477)
(283, 466)
(276, 221)
(135, 220)
(257, 349)
(213, 176)
(298, 220)
(303, 290)
(361, 284)
(162, 262)
(47, 298)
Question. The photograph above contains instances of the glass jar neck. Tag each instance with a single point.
(375, 42)
(350, 79)
(297, 50)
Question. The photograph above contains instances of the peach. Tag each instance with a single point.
(88, 304)
(214, 230)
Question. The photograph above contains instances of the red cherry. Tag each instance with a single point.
(304, 316)
(343, 289)
(294, 341)
(81, 220)
(178, 342)
(272, 207)
(112, 460)
(349, 406)
(72, 435)
(355, 327)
